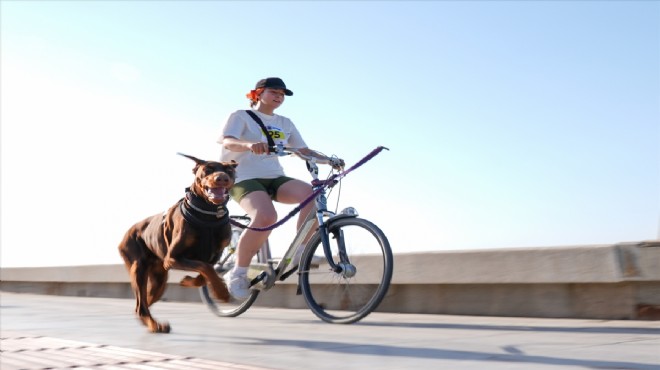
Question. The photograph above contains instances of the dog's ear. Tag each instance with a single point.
(233, 163)
(197, 160)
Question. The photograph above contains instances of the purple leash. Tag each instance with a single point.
(331, 181)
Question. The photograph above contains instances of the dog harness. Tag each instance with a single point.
(193, 207)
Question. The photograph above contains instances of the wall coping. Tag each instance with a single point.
(636, 261)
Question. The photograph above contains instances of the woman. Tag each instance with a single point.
(260, 178)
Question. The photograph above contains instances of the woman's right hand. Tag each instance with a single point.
(259, 148)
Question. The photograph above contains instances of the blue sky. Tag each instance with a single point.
(510, 124)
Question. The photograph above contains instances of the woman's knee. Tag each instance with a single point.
(260, 208)
(264, 217)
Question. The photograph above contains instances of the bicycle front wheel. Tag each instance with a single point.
(350, 295)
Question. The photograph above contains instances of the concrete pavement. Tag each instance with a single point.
(40, 331)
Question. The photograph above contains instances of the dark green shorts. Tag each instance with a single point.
(270, 186)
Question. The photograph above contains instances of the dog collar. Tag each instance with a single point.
(192, 206)
(200, 205)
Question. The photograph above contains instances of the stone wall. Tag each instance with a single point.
(620, 281)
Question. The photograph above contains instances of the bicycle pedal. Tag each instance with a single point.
(264, 280)
(257, 282)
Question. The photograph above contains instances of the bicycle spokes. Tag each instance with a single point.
(362, 275)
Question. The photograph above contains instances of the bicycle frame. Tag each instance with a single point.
(322, 216)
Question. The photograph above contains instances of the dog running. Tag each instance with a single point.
(188, 236)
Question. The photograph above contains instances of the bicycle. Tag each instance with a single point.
(357, 263)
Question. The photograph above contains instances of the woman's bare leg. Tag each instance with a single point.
(294, 192)
(259, 207)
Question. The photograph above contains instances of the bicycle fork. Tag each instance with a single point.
(343, 266)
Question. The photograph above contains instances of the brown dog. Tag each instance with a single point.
(189, 236)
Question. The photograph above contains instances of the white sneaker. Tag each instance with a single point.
(238, 286)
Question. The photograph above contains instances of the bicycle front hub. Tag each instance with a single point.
(348, 270)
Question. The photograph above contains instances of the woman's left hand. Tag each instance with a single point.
(336, 163)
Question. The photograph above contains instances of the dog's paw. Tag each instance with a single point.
(160, 327)
(168, 263)
(192, 282)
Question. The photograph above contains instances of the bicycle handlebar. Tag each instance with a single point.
(281, 150)
(328, 182)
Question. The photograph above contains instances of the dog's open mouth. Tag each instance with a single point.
(216, 195)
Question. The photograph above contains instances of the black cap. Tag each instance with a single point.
(274, 83)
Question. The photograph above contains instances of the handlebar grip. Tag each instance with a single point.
(281, 150)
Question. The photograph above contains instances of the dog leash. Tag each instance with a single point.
(330, 182)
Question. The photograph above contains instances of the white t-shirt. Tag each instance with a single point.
(250, 166)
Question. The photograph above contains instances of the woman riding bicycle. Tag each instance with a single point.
(260, 178)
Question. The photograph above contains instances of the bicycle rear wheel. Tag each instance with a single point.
(232, 308)
(349, 296)
(226, 262)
